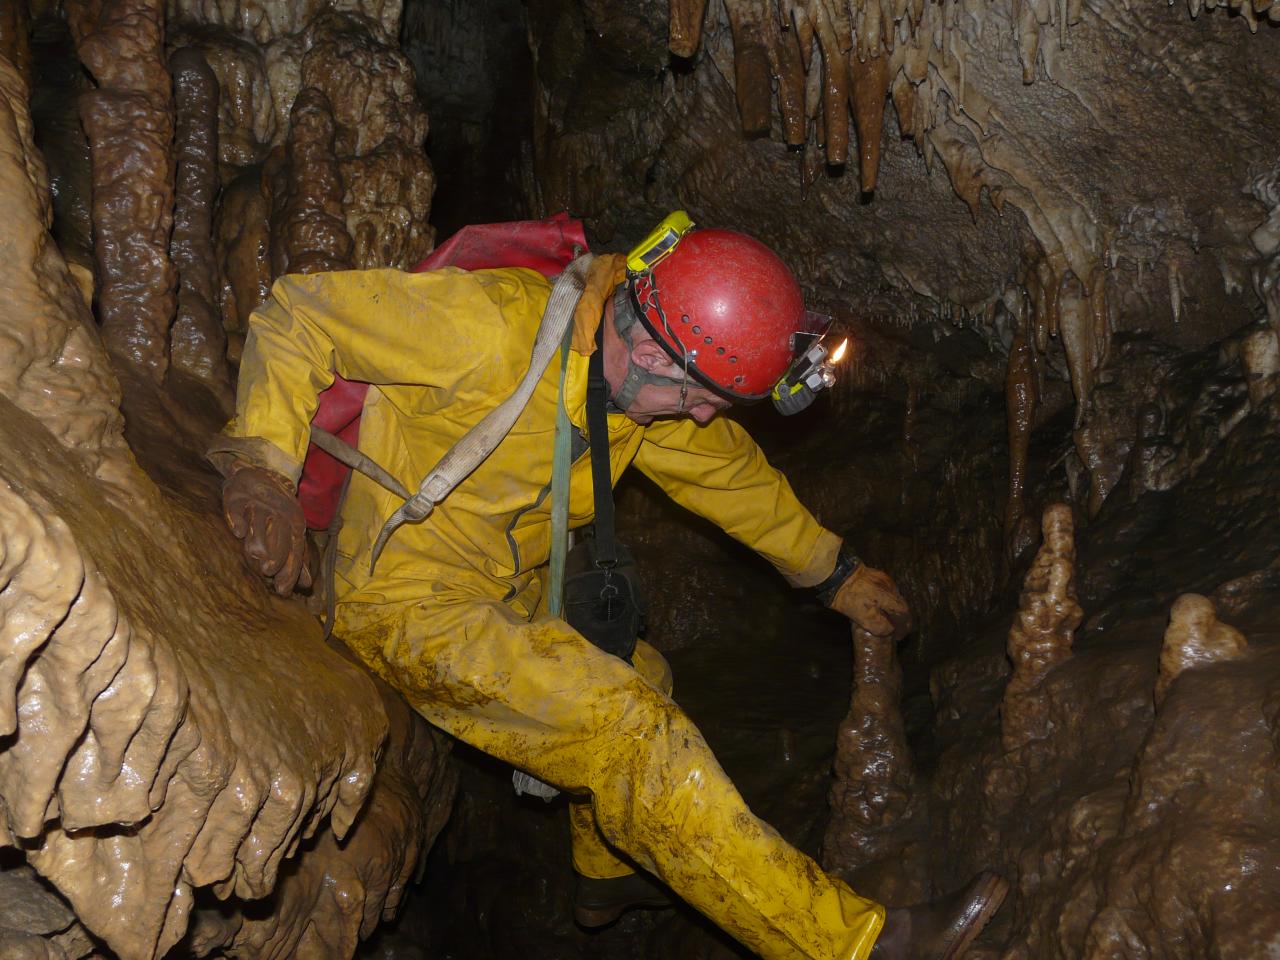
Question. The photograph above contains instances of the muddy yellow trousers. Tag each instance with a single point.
(540, 697)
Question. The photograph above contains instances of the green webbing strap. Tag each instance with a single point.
(560, 487)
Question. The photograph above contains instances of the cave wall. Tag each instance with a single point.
(185, 763)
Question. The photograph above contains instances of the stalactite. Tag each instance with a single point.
(873, 763)
(870, 80)
(199, 343)
(1074, 322)
(752, 68)
(686, 26)
(1194, 638)
(835, 88)
(789, 58)
(129, 122)
(1041, 636)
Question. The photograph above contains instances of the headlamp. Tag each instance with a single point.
(659, 243)
(811, 373)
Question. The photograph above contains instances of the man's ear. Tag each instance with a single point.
(649, 355)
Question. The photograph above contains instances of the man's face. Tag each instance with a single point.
(655, 402)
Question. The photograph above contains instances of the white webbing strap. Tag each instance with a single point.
(482, 439)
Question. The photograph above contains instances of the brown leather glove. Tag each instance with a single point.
(261, 509)
(869, 598)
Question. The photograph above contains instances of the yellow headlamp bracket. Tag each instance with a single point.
(659, 243)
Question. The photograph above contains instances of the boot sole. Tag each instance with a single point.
(992, 890)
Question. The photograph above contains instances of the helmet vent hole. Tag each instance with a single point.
(719, 351)
(733, 359)
(685, 318)
(738, 378)
(706, 339)
(697, 329)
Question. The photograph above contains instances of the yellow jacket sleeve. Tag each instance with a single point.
(717, 471)
(433, 330)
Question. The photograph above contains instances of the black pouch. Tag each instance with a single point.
(604, 603)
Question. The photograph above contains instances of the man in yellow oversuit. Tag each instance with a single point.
(453, 615)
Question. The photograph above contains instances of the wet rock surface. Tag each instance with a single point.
(184, 764)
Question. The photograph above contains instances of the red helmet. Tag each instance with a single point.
(726, 305)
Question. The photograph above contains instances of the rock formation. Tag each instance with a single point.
(1195, 637)
(181, 756)
(1041, 635)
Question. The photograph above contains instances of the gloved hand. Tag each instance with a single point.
(261, 509)
(870, 599)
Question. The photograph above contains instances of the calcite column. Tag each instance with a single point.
(129, 122)
(1042, 631)
(199, 341)
(308, 229)
(873, 763)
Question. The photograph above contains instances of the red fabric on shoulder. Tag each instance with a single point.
(543, 245)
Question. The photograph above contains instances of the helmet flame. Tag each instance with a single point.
(838, 353)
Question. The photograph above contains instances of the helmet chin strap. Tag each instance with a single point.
(624, 321)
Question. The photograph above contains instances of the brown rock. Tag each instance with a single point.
(129, 122)
(1042, 631)
(308, 232)
(242, 244)
(1195, 637)
(199, 343)
(873, 763)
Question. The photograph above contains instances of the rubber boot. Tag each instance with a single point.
(599, 902)
(941, 929)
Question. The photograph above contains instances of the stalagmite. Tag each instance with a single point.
(1042, 631)
(873, 763)
(686, 26)
(199, 343)
(308, 231)
(1021, 397)
(129, 122)
(870, 87)
(1195, 637)
(1260, 358)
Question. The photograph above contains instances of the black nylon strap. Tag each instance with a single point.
(598, 431)
(846, 563)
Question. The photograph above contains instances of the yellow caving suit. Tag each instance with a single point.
(451, 617)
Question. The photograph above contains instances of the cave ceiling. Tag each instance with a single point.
(1099, 166)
